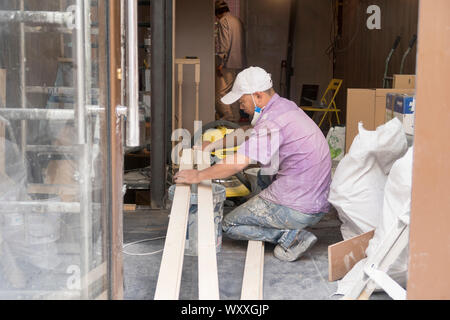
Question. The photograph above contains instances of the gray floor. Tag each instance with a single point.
(304, 279)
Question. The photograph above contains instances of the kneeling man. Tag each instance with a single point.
(296, 168)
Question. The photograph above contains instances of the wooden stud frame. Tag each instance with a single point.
(180, 67)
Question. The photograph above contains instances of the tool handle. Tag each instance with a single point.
(412, 41)
(396, 43)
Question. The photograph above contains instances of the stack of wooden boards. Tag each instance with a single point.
(169, 279)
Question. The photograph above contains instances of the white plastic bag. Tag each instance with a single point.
(336, 142)
(397, 203)
(358, 183)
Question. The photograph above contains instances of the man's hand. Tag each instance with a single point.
(187, 177)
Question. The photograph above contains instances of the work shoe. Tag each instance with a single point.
(302, 242)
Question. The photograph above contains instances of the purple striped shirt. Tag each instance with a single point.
(286, 140)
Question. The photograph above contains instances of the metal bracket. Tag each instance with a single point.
(121, 111)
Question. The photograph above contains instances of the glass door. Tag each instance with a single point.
(56, 135)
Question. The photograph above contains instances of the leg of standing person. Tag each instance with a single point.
(224, 83)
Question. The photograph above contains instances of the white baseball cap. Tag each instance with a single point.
(248, 81)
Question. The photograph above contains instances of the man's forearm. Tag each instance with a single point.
(225, 169)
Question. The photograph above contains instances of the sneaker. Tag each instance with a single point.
(303, 241)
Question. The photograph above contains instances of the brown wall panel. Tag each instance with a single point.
(361, 53)
(428, 271)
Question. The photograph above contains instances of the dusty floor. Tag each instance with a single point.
(304, 279)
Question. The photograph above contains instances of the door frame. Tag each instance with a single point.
(115, 167)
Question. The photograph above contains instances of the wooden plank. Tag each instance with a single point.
(208, 281)
(102, 296)
(180, 95)
(115, 232)
(429, 258)
(95, 274)
(187, 61)
(342, 256)
(129, 207)
(2, 88)
(197, 89)
(169, 278)
(252, 283)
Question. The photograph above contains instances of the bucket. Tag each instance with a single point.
(43, 227)
(252, 176)
(191, 246)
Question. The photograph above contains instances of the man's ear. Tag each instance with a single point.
(258, 95)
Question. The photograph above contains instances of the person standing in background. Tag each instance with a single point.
(230, 58)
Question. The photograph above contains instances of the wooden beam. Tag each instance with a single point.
(129, 207)
(342, 256)
(187, 61)
(208, 281)
(197, 90)
(180, 95)
(95, 274)
(429, 250)
(169, 279)
(252, 283)
(115, 173)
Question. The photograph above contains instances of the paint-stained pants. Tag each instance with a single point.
(263, 220)
(224, 84)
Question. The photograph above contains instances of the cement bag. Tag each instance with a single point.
(336, 142)
(357, 187)
(397, 202)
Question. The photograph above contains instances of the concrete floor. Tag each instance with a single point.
(304, 279)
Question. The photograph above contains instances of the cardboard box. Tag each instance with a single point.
(404, 81)
(401, 106)
(368, 106)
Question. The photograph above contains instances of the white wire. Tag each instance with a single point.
(142, 254)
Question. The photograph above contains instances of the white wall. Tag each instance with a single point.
(267, 24)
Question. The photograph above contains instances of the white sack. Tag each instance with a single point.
(357, 187)
(397, 203)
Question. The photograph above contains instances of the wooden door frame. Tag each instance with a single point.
(429, 244)
(116, 162)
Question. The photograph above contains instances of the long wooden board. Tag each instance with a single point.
(342, 256)
(169, 279)
(208, 281)
(252, 283)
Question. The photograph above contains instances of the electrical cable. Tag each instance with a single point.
(140, 241)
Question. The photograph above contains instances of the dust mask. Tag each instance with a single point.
(257, 113)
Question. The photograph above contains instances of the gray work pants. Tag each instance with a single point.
(224, 84)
